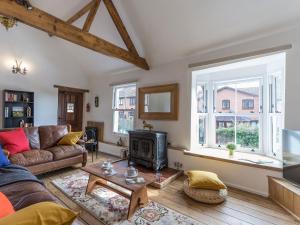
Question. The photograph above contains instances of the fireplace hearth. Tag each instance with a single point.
(148, 148)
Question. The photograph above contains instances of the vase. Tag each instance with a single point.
(231, 151)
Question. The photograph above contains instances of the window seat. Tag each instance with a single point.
(241, 158)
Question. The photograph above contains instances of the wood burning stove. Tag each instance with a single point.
(148, 148)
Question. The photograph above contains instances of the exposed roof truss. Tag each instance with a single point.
(65, 30)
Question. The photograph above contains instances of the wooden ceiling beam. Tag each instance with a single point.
(55, 26)
(89, 20)
(120, 26)
(81, 12)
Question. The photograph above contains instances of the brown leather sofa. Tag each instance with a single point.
(25, 193)
(45, 155)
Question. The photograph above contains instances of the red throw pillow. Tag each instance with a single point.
(6, 207)
(14, 141)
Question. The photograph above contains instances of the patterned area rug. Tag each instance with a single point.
(111, 208)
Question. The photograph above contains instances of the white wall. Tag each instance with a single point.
(47, 63)
(173, 73)
(179, 131)
(254, 180)
(178, 72)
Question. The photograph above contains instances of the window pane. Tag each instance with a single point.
(123, 121)
(247, 94)
(124, 105)
(130, 93)
(226, 104)
(202, 130)
(201, 98)
(276, 134)
(247, 132)
(70, 107)
(278, 94)
(225, 98)
(132, 101)
(125, 97)
(225, 130)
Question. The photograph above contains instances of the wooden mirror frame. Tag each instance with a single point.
(173, 115)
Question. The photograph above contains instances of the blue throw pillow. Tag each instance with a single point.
(3, 159)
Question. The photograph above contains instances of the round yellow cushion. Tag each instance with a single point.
(204, 195)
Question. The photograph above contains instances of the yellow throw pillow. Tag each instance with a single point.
(71, 138)
(44, 213)
(205, 180)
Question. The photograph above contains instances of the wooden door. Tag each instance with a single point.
(70, 109)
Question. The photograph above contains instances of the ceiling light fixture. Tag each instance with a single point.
(17, 69)
(8, 22)
(25, 3)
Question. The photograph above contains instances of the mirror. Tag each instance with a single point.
(159, 102)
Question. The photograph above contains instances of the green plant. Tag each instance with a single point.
(231, 146)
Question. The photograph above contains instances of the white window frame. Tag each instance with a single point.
(265, 115)
(215, 114)
(116, 109)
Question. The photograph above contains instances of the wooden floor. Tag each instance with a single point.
(240, 207)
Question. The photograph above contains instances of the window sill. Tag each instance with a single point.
(237, 158)
(120, 134)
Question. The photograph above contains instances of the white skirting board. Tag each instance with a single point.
(246, 178)
(110, 149)
(250, 179)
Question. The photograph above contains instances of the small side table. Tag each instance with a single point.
(92, 145)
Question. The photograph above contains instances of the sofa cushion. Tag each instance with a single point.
(14, 141)
(71, 138)
(6, 207)
(205, 180)
(43, 213)
(66, 151)
(3, 158)
(32, 133)
(50, 135)
(32, 157)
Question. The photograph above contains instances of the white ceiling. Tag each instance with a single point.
(165, 30)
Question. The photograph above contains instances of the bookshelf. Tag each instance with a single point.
(18, 108)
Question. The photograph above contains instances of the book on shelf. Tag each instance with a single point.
(6, 112)
(10, 97)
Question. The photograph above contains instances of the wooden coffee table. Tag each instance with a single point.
(138, 192)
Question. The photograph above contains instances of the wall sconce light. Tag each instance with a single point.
(8, 22)
(17, 69)
(96, 101)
